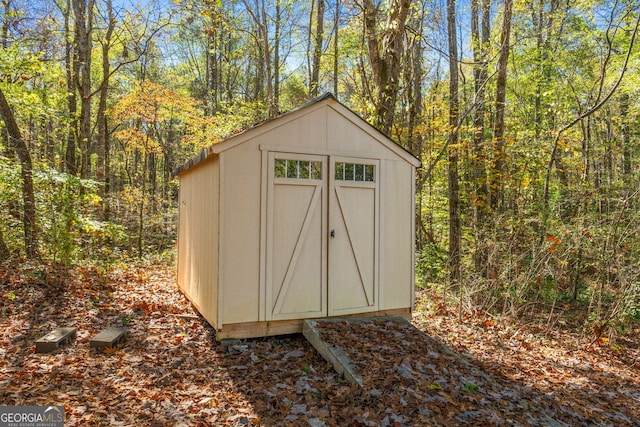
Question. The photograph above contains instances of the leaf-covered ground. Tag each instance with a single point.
(172, 372)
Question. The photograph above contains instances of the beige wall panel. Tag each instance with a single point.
(185, 236)
(240, 233)
(346, 138)
(183, 273)
(396, 249)
(306, 132)
(197, 242)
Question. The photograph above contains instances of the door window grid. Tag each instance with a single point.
(355, 172)
(297, 169)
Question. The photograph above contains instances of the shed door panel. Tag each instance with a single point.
(296, 256)
(354, 239)
(322, 236)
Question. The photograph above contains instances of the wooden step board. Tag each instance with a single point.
(108, 338)
(54, 339)
(335, 355)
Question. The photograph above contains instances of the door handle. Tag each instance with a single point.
(333, 233)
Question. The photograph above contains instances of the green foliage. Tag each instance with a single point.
(67, 207)
(470, 388)
(31, 84)
(126, 320)
(294, 92)
(238, 115)
(431, 264)
(18, 63)
(10, 202)
(632, 314)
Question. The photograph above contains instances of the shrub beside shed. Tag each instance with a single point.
(307, 215)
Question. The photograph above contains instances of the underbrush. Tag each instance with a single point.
(567, 281)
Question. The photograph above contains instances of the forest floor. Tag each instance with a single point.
(171, 372)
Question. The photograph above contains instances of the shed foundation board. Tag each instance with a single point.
(284, 327)
(54, 339)
(333, 353)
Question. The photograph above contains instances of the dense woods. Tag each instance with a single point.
(524, 114)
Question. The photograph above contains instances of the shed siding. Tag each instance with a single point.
(198, 238)
(396, 290)
(240, 233)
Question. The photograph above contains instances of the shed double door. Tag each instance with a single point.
(321, 236)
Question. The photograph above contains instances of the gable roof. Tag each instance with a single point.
(242, 136)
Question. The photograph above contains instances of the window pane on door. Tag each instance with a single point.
(315, 170)
(358, 172)
(280, 168)
(297, 169)
(369, 173)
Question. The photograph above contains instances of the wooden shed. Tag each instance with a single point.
(307, 215)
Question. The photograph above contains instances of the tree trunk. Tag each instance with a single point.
(626, 137)
(83, 12)
(480, 33)
(413, 80)
(102, 166)
(258, 13)
(212, 74)
(213, 67)
(70, 59)
(317, 50)
(26, 171)
(308, 54)
(537, 17)
(143, 193)
(274, 106)
(385, 57)
(454, 117)
(4, 249)
(152, 172)
(501, 94)
(266, 57)
(336, 25)
(6, 22)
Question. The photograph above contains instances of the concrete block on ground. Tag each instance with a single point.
(51, 341)
(108, 337)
